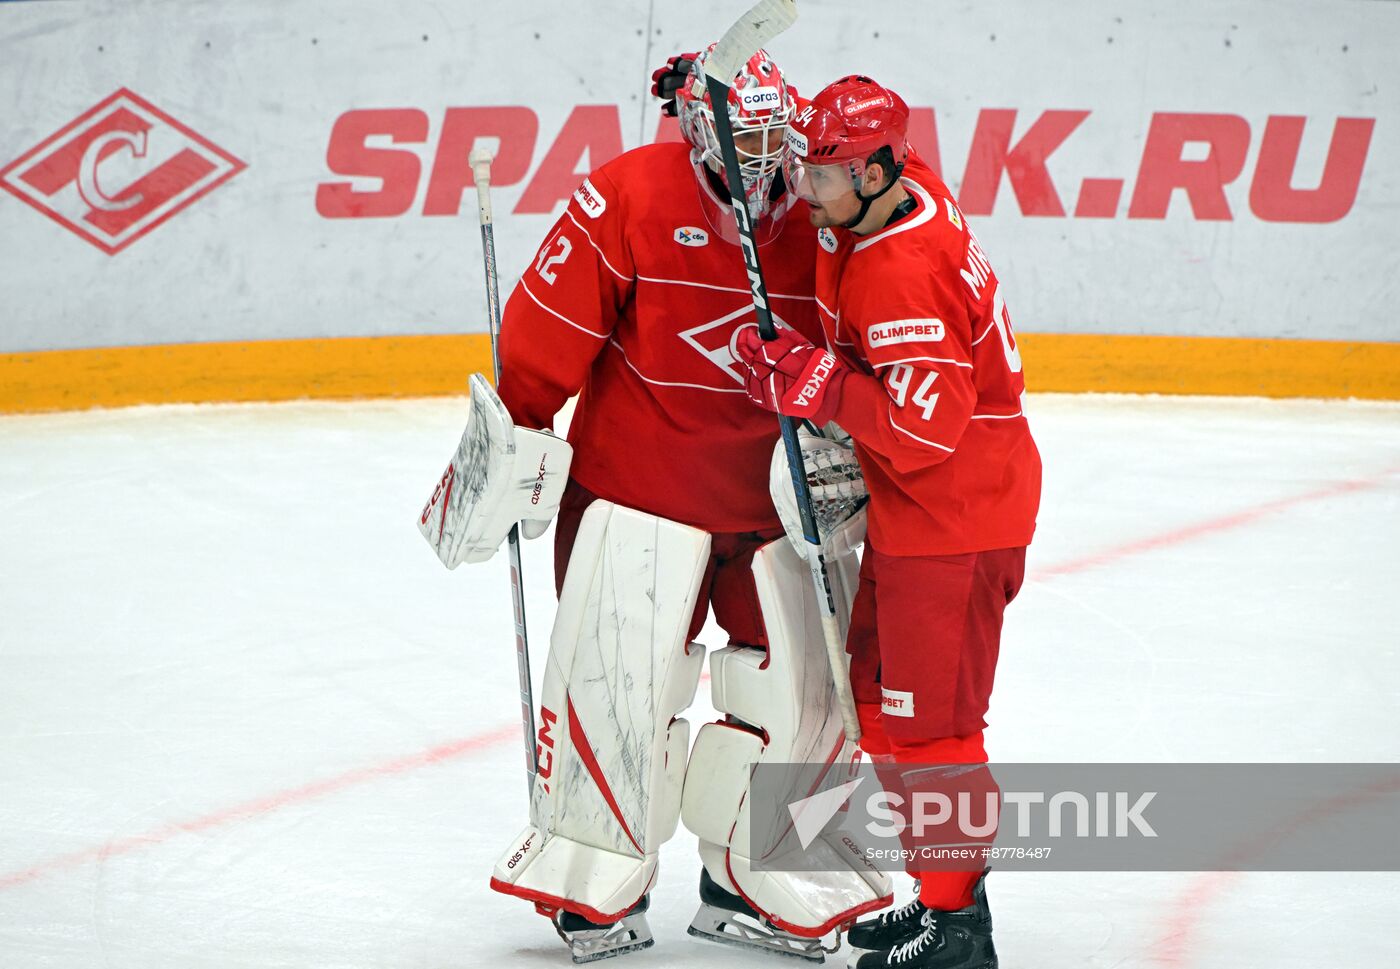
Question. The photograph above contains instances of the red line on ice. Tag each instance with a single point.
(261, 806)
(1173, 947)
(1179, 928)
(1211, 526)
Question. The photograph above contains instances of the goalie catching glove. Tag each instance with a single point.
(837, 488)
(500, 475)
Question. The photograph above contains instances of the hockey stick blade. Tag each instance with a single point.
(759, 25)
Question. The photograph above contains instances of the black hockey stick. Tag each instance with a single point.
(759, 25)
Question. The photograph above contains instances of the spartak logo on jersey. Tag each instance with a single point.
(715, 340)
(117, 171)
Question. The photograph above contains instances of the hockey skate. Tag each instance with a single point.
(727, 918)
(944, 940)
(889, 929)
(590, 941)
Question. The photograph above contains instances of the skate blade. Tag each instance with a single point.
(628, 935)
(595, 956)
(728, 928)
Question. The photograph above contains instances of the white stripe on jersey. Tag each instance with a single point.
(576, 326)
(595, 245)
(722, 289)
(921, 440)
(985, 333)
(668, 383)
(891, 363)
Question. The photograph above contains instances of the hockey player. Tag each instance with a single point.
(917, 362)
(633, 303)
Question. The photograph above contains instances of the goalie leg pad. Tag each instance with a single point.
(786, 701)
(611, 746)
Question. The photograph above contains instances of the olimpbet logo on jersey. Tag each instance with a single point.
(118, 171)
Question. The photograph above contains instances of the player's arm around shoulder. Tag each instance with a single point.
(568, 301)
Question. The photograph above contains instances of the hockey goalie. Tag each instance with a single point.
(664, 514)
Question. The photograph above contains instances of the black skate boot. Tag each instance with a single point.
(946, 940)
(726, 917)
(888, 929)
(591, 941)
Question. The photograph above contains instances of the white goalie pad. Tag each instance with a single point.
(501, 474)
(611, 747)
(787, 704)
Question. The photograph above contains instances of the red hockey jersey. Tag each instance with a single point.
(633, 302)
(934, 406)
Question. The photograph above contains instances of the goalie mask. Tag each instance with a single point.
(760, 106)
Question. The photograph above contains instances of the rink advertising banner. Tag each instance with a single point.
(1075, 817)
(203, 201)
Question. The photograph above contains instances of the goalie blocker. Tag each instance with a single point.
(500, 475)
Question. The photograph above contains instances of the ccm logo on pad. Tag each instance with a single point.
(904, 331)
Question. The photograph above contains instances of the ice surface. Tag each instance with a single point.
(248, 720)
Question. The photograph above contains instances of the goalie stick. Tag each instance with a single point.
(759, 25)
(480, 161)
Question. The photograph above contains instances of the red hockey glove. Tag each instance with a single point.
(790, 376)
(667, 80)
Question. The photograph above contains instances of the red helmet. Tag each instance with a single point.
(848, 121)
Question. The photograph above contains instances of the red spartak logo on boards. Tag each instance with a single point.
(117, 171)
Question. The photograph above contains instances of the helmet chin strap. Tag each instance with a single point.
(866, 200)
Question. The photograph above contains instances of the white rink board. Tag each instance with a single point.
(266, 81)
